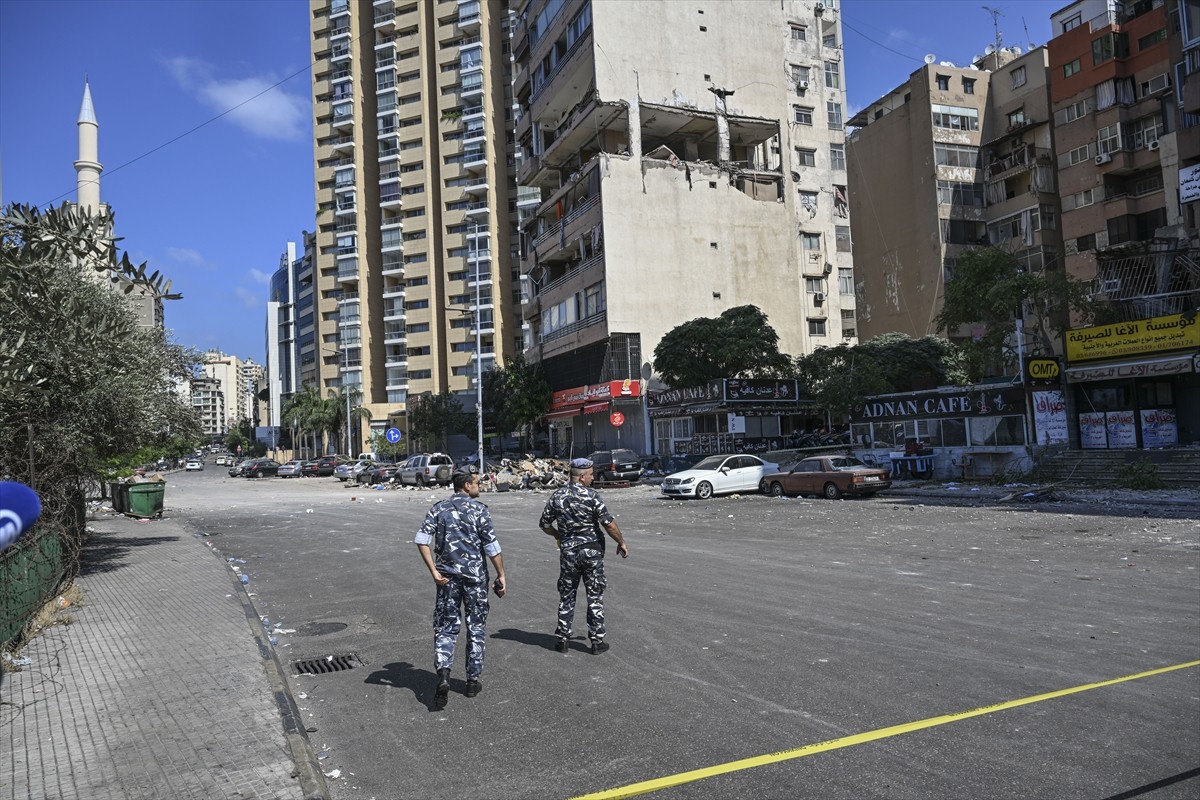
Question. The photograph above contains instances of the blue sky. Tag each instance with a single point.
(213, 207)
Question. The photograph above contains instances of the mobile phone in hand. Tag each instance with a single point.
(497, 588)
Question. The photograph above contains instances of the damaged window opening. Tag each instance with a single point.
(688, 140)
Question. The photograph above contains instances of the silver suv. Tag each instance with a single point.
(427, 469)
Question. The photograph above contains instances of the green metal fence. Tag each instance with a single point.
(30, 573)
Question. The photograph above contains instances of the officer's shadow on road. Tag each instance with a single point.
(543, 640)
(402, 675)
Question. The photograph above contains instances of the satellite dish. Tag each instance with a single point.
(991, 48)
(930, 58)
(1016, 51)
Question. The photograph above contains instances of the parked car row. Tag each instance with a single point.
(830, 476)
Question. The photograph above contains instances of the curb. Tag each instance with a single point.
(308, 768)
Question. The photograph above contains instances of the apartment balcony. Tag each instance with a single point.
(395, 356)
(468, 15)
(391, 241)
(1132, 202)
(583, 332)
(1014, 163)
(394, 333)
(570, 73)
(339, 52)
(392, 268)
(385, 19)
(477, 210)
(343, 120)
(562, 234)
(575, 279)
(393, 292)
(393, 310)
(390, 200)
(342, 144)
(339, 8)
(471, 89)
(478, 188)
(396, 378)
(475, 159)
(528, 197)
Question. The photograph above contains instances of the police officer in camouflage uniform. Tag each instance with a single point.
(574, 516)
(460, 532)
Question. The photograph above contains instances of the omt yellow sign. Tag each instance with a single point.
(1042, 369)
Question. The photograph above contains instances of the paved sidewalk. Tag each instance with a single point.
(163, 688)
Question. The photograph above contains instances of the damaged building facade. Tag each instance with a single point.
(689, 158)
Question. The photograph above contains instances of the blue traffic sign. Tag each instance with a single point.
(394, 435)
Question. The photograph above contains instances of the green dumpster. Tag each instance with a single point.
(120, 496)
(146, 499)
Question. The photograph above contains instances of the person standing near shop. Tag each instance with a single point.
(456, 535)
(575, 515)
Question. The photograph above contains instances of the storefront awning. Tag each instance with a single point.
(1145, 368)
(595, 408)
(563, 413)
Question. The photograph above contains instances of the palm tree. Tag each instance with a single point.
(304, 410)
(338, 401)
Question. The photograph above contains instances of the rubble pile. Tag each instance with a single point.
(528, 473)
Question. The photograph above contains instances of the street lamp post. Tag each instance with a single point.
(478, 360)
(346, 393)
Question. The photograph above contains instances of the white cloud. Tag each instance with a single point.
(272, 113)
(260, 277)
(186, 255)
(249, 299)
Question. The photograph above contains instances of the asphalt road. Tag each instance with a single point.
(741, 627)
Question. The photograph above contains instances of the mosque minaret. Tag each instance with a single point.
(88, 167)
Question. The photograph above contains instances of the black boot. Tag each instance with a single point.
(474, 687)
(442, 693)
(599, 646)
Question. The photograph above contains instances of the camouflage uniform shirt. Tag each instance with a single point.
(577, 509)
(461, 533)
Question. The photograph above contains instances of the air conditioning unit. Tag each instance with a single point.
(1152, 145)
(828, 268)
(802, 85)
(1103, 158)
(818, 297)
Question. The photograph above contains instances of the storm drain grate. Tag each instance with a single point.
(319, 666)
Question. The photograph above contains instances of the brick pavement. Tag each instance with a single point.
(163, 686)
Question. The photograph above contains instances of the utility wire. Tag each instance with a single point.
(877, 44)
(207, 122)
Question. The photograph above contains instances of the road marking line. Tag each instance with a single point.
(691, 776)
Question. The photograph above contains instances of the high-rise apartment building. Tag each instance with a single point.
(414, 185)
(690, 158)
(291, 328)
(236, 382)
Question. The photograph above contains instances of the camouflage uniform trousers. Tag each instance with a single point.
(447, 622)
(587, 564)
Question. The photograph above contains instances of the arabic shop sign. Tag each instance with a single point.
(759, 391)
(1140, 337)
(613, 390)
(1189, 183)
(979, 401)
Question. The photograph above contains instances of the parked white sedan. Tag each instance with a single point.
(194, 466)
(718, 475)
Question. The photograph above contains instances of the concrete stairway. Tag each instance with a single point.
(1179, 468)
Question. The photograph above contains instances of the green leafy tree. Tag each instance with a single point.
(82, 386)
(384, 449)
(738, 344)
(840, 377)
(514, 397)
(990, 291)
(433, 417)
